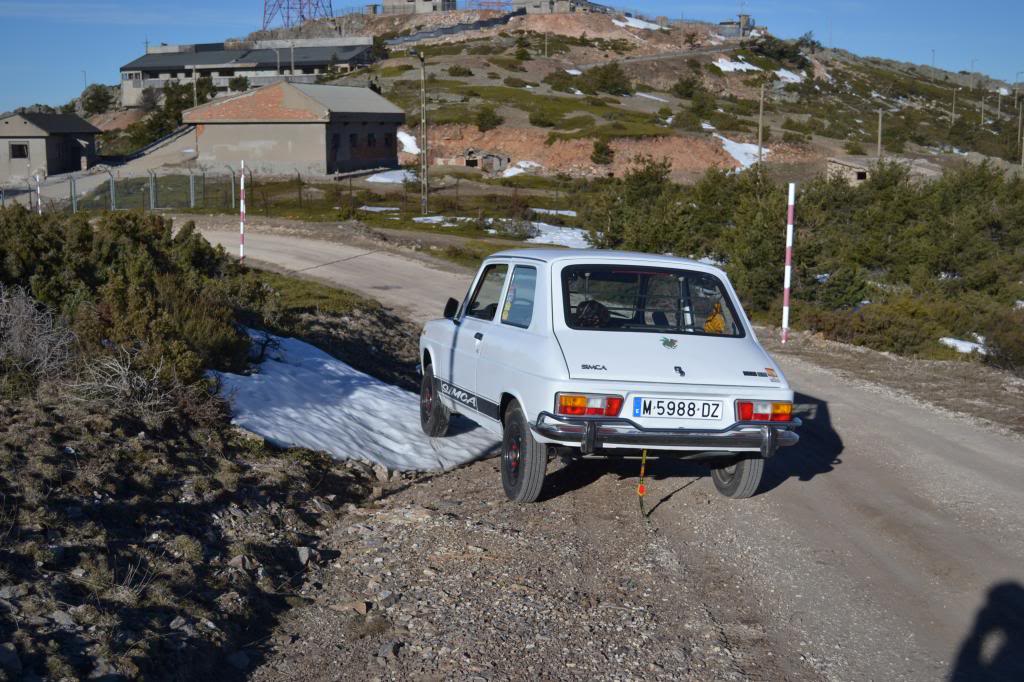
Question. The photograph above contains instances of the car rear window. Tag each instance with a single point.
(647, 299)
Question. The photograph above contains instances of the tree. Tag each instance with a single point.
(487, 118)
(149, 101)
(96, 99)
(238, 84)
(603, 154)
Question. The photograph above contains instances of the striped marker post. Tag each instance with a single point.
(39, 196)
(788, 277)
(241, 214)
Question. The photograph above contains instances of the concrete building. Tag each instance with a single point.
(488, 162)
(544, 6)
(856, 170)
(288, 127)
(262, 62)
(45, 144)
(417, 6)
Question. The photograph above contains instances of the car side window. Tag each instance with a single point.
(518, 308)
(484, 303)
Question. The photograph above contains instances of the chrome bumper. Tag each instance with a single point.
(591, 434)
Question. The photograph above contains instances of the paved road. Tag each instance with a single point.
(872, 547)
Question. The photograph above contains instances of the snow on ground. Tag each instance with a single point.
(574, 72)
(519, 167)
(1019, 305)
(706, 126)
(668, 121)
(649, 96)
(961, 346)
(787, 76)
(409, 145)
(745, 153)
(728, 65)
(303, 397)
(573, 237)
(429, 219)
(1005, 92)
(555, 211)
(633, 22)
(392, 177)
(576, 91)
(378, 209)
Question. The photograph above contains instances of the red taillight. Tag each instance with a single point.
(588, 405)
(763, 411)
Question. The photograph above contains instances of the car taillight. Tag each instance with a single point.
(588, 404)
(763, 411)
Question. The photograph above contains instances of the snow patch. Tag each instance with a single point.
(392, 177)
(787, 76)
(409, 145)
(729, 65)
(429, 219)
(574, 72)
(1019, 305)
(302, 397)
(519, 167)
(961, 346)
(577, 92)
(1005, 92)
(633, 22)
(707, 126)
(555, 211)
(378, 209)
(572, 237)
(648, 96)
(745, 153)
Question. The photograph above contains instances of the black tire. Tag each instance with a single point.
(740, 479)
(434, 416)
(524, 461)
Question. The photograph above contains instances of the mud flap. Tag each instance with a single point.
(769, 442)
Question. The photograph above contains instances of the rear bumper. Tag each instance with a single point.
(593, 434)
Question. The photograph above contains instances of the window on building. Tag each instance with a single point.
(371, 140)
(19, 150)
(353, 140)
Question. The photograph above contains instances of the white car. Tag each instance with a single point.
(604, 352)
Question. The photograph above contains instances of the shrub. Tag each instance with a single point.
(602, 154)
(854, 147)
(560, 81)
(514, 82)
(238, 84)
(32, 340)
(96, 99)
(487, 118)
(459, 71)
(790, 137)
(1005, 341)
(542, 119)
(608, 78)
(686, 86)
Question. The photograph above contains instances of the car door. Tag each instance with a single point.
(511, 344)
(475, 320)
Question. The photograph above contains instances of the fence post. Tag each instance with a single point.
(241, 211)
(152, 189)
(788, 273)
(232, 171)
(3, 198)
(191, 189)
(204, 189)
(113, 192)
(298, 183)
(73, 187)
(39, 195)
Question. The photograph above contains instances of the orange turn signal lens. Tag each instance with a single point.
(588, 405)
(763, 411)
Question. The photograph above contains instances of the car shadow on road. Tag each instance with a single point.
(817, 452)
(580, 473)
(994, 649)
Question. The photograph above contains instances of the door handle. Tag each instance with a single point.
(479, 336)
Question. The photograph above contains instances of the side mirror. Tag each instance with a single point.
(450, 308)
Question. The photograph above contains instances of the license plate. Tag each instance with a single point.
(677, 408)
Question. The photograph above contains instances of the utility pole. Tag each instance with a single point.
(973, 61)
(952, 116)
(545, 45)
(1020, 134)
(424, 167)
(880, 134)
(195, 92)
(760, 127)
(292, 71)
(1016, 88)
(85, 81)
(982, 122)
(277, 51)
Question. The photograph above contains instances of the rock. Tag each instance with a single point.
(305, 553)
(243, 562)
(62, 618)
(239, 660)
(9, 661)
(13, 591)
(103, 670)
(386, 600)
(389, 651)
(381, 472)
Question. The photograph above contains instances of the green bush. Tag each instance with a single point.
(602, 154)
(459, 71)
(608, 78)
(542, 119)
(854, 148)
(487, 118)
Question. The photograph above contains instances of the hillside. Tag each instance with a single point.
(560, 82)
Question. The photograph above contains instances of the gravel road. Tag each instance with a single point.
(889, 544)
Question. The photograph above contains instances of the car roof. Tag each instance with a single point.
(598, 255)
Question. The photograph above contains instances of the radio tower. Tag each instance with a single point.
(294, 12)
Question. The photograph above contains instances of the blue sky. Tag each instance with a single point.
(46, 44)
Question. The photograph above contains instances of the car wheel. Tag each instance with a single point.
(740, 479)
(433, 415)
(524, 461)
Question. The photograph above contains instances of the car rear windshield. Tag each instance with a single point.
(646, 299)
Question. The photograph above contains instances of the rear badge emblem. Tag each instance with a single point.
(679, 371)
(669, 343)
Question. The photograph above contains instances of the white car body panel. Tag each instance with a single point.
(481, 364)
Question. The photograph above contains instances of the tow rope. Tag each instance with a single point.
(641, 489)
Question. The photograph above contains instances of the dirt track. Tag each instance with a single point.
(867, 554)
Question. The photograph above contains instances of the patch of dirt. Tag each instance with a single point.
(116, 120)
(687, 154)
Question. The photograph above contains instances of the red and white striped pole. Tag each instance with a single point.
(241, 212)
(787, 279)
